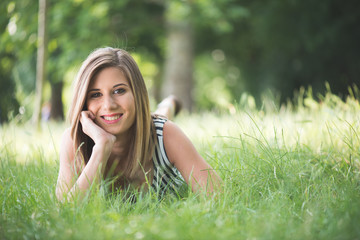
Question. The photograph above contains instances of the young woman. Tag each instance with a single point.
(114, 136)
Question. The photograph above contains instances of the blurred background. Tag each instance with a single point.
(210, 53)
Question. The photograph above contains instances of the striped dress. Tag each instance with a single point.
(167, 177)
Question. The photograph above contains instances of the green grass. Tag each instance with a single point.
(288, 174)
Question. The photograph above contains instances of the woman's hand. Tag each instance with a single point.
(96, 133)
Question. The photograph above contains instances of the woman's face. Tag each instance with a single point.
(110, 99)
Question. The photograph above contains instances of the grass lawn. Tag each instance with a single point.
(288, 174)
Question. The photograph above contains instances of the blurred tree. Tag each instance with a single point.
(194, 28)
(178, 72)
(41, 60)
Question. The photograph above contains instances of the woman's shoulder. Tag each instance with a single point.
(171, 129)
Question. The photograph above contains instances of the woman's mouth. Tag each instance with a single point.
(113, 118)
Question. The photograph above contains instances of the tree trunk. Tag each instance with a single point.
(56, 112)
(41, 60)
(178, 79)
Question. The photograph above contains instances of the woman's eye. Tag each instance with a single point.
(119, 91)
(95, 95)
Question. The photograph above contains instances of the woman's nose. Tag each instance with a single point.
(109, 103)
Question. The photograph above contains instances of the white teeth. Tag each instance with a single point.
(112, 118)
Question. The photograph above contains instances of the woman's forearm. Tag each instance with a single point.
(91, 174)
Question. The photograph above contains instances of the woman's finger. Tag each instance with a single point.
(91, 115)
(86, 115)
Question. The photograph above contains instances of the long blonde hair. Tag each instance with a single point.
(143, 141)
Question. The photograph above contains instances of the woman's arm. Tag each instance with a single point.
(187, 160)
(71, 179)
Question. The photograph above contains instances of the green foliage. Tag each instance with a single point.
(284, 45)
(74, 29)
(277, 46)
(304, 43)
(286, 175)
(213, 79)
(8, 103)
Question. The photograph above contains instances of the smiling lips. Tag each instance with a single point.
(113, 118)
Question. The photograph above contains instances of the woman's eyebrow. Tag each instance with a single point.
(93, 90)
(120, 84)
(97, 89)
